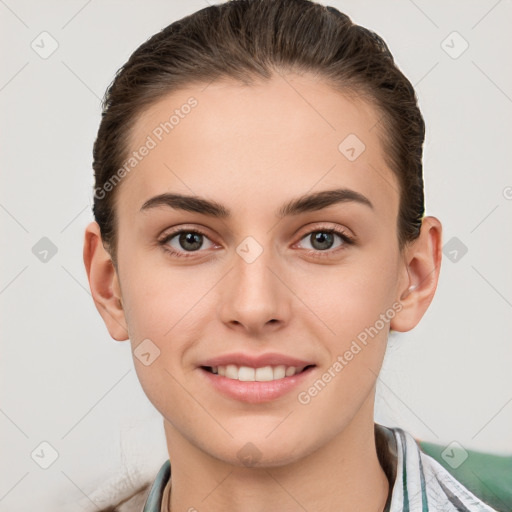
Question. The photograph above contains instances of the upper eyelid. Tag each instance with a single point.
(171, 234)
(203, 230)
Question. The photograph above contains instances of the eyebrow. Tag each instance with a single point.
(302, 204)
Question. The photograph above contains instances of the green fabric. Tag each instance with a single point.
(487, 476)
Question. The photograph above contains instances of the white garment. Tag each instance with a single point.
(422, 484)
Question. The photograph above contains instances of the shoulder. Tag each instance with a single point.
(422, 480)
(133, 503)
(486, 475)
(148, 497)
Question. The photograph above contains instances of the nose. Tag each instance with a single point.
(255, 298)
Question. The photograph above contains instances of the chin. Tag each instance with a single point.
(255, 450)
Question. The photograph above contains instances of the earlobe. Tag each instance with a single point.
(104, 283)
(423, 260)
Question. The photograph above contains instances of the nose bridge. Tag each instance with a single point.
(254, 295)
(252, 274)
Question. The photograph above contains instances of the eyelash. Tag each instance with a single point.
(310, 252)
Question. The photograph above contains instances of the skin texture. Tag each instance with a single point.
(253, 149)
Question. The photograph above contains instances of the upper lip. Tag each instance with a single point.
(256, 361)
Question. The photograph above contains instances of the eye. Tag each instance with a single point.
(181, 242)
(185, 242)
(321, 241)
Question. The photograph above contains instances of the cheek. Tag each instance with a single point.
(348, 298)
(350, 303)
(156, 296)
(159, 310)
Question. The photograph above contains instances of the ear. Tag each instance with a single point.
(421, 274)
(104, 283)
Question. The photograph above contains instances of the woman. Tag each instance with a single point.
(259, 231)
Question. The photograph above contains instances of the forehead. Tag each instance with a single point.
(268, 141)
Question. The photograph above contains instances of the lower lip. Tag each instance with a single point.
(254, 392)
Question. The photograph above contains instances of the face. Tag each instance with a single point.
(259, 284)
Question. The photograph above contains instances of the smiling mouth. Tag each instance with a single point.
(261, 374)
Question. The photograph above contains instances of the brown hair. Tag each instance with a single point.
(250, 39)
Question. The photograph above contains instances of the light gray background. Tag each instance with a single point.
(66, 382)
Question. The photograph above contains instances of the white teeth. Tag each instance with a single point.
(246, 374)
(263, 374)
(231, 371)
(279, 372)
(290, 371)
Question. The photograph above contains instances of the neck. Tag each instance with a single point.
(344, 474)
